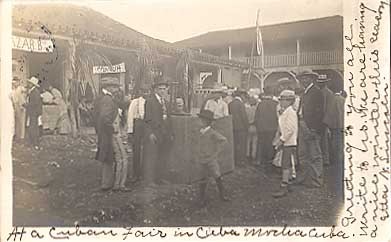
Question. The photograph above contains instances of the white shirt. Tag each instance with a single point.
(288, 126)
(136, 111)
(105, 92)
(219, 108)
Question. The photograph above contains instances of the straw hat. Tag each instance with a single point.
(307, 73)
(322, 79)
(33, 80)
(287, 95)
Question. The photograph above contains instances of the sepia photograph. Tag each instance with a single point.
(177, 113)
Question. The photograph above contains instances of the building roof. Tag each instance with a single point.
(85, 23)
(305, 29)
(68, 19)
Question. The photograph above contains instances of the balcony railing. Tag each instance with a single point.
(306, 59)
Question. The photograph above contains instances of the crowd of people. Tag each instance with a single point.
(289, 126)
(298, 128)
(28, 98)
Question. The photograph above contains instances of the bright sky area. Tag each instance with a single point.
(174, 20)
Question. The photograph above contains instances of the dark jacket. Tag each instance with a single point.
(266, 119)
(313, 109)
(239, 116)
(154, 121)
(34, 105)
(105, 111)
(329, 106)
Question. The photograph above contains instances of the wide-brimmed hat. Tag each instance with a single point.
(109, 82)
(33, 80)
(206, 114)
(159, 84)
(307, 73)
(287, 95)
(322, 78)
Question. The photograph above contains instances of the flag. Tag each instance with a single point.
(259, 37)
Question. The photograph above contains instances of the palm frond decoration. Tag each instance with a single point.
(82, 60)
(184, 77)
(146, 57)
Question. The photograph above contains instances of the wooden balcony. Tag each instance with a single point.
(305, 59)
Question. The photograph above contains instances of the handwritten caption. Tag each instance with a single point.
(20, 233)
(367, 119)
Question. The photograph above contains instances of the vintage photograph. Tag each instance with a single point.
(178, 113)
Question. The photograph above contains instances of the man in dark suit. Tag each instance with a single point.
(240, 126)
(310, 130)
(34, 112)
(328, 115)
(158, 135)
(105, 111)
(266, 122)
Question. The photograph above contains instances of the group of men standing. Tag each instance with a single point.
(320, 124)
(149, 132)
(27, 104)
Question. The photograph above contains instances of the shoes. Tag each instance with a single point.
(101, 189)
(313, 184)
(282, 192)
(298, 180)
(122, 189)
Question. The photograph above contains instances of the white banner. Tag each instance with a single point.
(120, 68)
(32, 45)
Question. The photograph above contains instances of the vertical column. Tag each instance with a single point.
(298, 53)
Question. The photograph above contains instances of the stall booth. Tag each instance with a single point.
(37, 57)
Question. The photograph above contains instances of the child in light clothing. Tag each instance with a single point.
(120, 155)
(288, 124)
(211, 144)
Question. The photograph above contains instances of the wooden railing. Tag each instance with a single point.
(306, 59)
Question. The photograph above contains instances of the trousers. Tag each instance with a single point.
(240, 146)
(121, 162)
(310, 154)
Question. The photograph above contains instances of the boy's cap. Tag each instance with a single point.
(206, 114)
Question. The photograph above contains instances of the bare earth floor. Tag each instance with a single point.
(56, 186)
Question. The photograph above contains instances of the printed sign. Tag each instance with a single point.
(32, 45)
(119, 68)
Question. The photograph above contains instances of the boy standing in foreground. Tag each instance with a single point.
(288, 124)
(211, 144)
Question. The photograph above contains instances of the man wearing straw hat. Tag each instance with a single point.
(34, 112)
(310, 130)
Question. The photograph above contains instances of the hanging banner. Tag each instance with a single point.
(119, 68)
(32, 45)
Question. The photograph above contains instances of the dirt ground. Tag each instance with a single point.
(56, 186)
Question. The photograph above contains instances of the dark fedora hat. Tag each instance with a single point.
(159, 84)
(206, 114)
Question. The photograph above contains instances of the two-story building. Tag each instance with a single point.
(315, 44)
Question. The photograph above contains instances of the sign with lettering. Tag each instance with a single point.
(119, 68)
(32, 45)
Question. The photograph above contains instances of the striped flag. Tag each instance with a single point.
(259, 36)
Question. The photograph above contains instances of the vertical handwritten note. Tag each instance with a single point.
(367, 119)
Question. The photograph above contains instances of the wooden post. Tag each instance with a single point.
(251, 63)
(298, 53)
